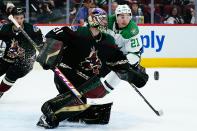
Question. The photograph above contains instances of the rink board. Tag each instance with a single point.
(164, 45)
(169, 62)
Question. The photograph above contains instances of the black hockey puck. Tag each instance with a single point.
(156, 75)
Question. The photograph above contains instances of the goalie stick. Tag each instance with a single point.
(68, 83)
(158, 113)
(56, 70)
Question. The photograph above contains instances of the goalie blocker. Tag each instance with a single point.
(50, 55)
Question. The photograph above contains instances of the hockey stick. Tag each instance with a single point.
(68, 84)
(10, 17)
(159, 113)
(56, 70)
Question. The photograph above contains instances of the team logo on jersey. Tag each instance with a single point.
(92, 62)
(133, 31)
(14, 50)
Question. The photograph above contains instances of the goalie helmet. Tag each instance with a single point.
(98, 19)
(123, 9)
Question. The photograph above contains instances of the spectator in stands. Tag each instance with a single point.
(137, 14)
(47, 13)
(5, 10)
(147, 16)
(47, 7)
(9, 8)
(83, 12)
(174, 17)
(114, 5)
(189, 17)
(134, 8)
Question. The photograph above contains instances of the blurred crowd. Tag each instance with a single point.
(56, 11)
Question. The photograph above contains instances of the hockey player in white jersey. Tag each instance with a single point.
(126, 33)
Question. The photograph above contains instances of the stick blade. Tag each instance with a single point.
(160, 112)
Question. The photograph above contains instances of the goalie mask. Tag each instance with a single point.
(98, 19)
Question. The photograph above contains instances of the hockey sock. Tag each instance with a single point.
(6, 84)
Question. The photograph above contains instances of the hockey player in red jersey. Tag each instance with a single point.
(17, 55)
(84, 61)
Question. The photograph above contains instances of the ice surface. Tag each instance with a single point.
(175, 93)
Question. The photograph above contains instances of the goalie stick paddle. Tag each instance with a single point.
(158, 113)
(56, 70)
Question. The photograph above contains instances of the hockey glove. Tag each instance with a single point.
(137, 78)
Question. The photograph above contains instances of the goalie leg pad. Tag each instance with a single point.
(62, 107)
(96, 114)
